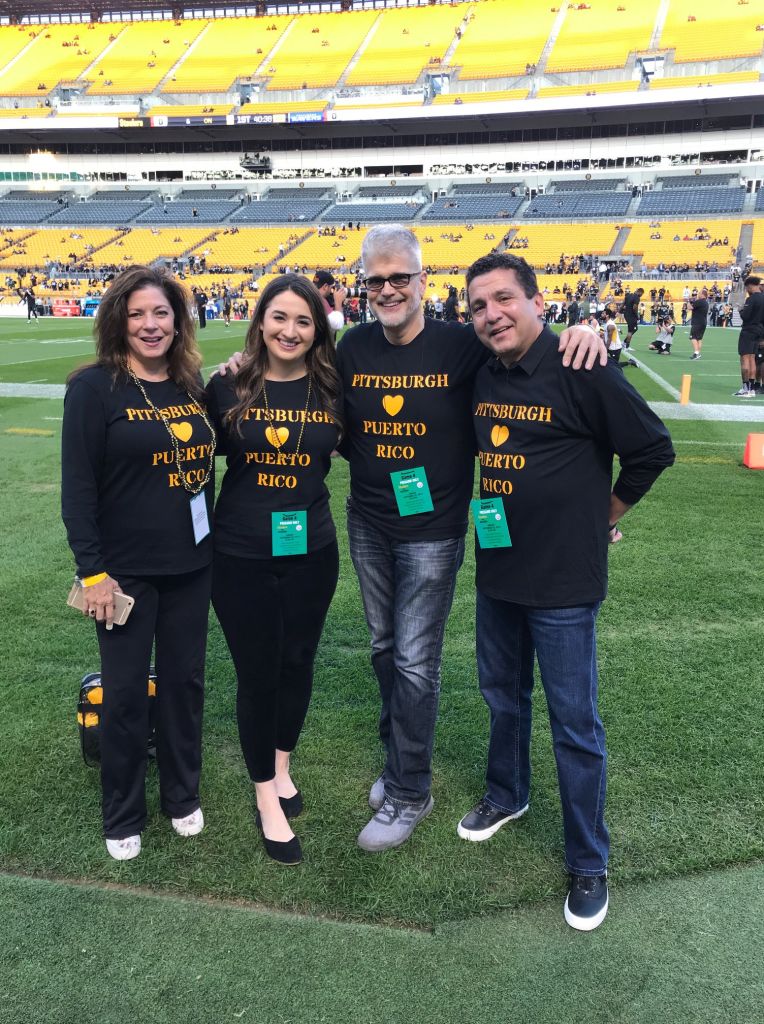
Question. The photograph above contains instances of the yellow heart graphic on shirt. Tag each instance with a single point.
(392, 404)
(182, 431)
(276, 436)
(499, 434)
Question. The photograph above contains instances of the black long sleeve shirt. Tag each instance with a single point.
(546, 439)
(122, 501)
(752, 315)
(408, 406)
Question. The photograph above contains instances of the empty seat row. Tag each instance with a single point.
(694, 181)
(370, 191)
(465, 208)
(579, 204)
(275, 211)
(372, 212)
(582, 185)
(488, 188)
(676, 202)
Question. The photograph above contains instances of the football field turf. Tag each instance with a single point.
(681, 696)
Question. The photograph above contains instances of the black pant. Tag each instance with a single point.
(172, 610)
(202, 310)
(272, 611)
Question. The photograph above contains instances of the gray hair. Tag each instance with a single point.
(387, 240)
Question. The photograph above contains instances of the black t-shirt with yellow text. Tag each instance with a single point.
(408, 406)
(265, 472)
(546, 437)
(122, 501)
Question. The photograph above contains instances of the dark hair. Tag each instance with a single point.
(524, 272)
(110, 328)
(320, 360)
(753, 280)
(639, 291)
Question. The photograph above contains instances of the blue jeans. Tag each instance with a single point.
(407, 589)
(564, 640)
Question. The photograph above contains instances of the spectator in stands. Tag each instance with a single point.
(751, 335)
(698, 322)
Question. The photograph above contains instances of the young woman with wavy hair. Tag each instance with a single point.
(276, 559)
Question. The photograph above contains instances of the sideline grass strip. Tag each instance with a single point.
(679, 952)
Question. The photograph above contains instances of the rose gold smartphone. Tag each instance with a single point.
(123, 603)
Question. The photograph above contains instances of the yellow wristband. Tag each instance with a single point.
(90, 581)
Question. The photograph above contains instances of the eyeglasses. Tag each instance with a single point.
(376, 284)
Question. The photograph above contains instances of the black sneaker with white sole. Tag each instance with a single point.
(484, 821)
(587, 902)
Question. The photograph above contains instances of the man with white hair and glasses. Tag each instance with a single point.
(409, 441)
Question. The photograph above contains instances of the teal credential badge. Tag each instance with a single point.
(490, 523)
(412, 492)
(289, 533)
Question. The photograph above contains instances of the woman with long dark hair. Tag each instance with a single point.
(276, 559)
(137, 489)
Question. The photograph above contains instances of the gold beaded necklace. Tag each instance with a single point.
(274, 434)
(188, 487)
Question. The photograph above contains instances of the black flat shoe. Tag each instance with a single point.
(291, 805)
(289, 852)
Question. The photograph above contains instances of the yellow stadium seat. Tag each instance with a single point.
(317, 49)
(404, 42)
(687, 249)
(702, 81)
(502, 37)
(58, 53)
(141, 56)
(602, 34)
(230, 48)
(594, 89)
(495, 96)
(707, 30)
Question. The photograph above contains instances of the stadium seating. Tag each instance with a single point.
(666, 250)
(248, 247)
(488, 188)
(760, 200)
(547, 242)
(13, 39)
(371, 213)
(703, 81)
(144, 245)
(502, 38)
(42, 247)
(584, 185)
(694, 181)
(474, 207)
(115, 212)
(385, 191)
(405, 41)
(109, 196)
(683, 202)
(57, 53)
(324, 251)
(26, 112)
(297, 193)
(21, 196)
(230, 48)
(191, 195)
(594, 89)
(141, 56)
(21, 212)
(601, 34)
(455, 245)
(579, 204)
(494, 96)
(275, 211)
(318, 49)
(188, 212)
(707, 30)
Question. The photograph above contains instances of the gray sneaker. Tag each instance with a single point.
(393, 824)
(377, 793)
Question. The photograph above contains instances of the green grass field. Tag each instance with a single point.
(460, 931)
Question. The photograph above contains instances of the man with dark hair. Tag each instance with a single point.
(573, 313)
(631, 314)
(698, 322)
(200, 298)
(333, 295)
(751, 334)
(547, 438)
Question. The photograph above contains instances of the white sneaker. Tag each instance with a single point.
(124, 849)
(191, 825)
